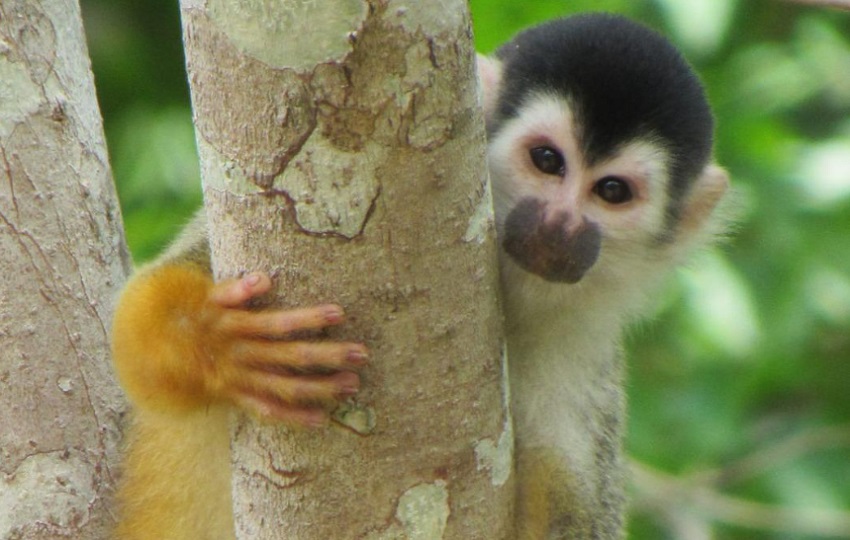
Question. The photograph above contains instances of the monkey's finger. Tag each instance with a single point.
(296, 390)
(235, 292)
(271, 409)
(299, 356)
(278, 323)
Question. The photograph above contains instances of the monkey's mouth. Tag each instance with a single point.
(545, 247)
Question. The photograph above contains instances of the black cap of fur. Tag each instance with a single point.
(624, 82)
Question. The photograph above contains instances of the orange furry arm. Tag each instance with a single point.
(181, 342)
(155, 334)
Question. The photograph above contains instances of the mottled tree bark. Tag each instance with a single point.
(342, 149)
(63, 260)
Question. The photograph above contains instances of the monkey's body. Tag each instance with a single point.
(599, 157)
(599, 154)
(568, 435)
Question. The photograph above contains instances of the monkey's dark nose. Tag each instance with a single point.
(547, 248)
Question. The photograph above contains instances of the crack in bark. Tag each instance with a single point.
(82, 357)
(293, 213)
(45, 291)
(296, 477)
(7, 167)
(64, 454)
(79, 516)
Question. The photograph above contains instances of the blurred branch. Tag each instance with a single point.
(683, 501)
(774, 455)
(839, 4)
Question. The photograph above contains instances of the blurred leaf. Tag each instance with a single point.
(823, 173)
(700, 26)
(721, 309)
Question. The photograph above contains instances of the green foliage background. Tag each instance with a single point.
(750, 347)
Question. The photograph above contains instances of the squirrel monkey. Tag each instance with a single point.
(600, 146)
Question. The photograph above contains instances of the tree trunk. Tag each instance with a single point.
(342, 150)
(63, 260)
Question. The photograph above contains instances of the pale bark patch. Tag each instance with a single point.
(19, 95)
(422, 513)
(296, 35)
(497, 457)
(64, 489)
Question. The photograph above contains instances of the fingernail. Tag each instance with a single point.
(317, 422)
(349, 391)
(334, 315)
(253, 279)
(358, 357)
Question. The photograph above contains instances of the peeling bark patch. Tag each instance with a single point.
(423, 16)
(264, 29)
(358, 418)
(31, 32)
(498, 458)
(423, 511)
(421, 514)
(332, 189)
(63, 483)
(275, 111)
(328, 191)
(318, 137)
(429, 105)
(19, 95)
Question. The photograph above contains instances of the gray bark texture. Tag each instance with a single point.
(342, 150)
(63, 260)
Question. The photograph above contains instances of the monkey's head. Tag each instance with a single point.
(600, 147)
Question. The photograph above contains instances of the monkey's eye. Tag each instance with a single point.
(613, 190)
(548, 160)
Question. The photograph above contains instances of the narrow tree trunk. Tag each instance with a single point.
(63, 260)
(342, 149)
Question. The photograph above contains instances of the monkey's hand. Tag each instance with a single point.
(181, 342)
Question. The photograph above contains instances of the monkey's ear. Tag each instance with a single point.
(490, 75)
(698, 213)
